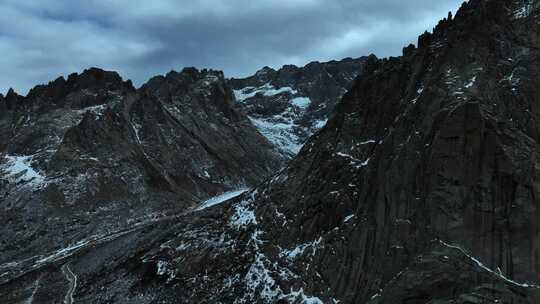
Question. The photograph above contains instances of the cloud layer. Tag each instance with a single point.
(41, 40)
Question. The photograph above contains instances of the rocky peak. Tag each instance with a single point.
(180, 81)
(90, 79)
(92, 87)
(193, 88)
(265, 72)
(95, 77)
(195, 74)
(12, 98)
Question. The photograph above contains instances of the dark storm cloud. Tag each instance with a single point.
(40, 40)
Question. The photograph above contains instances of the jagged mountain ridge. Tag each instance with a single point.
(91, 155)
(290, 104)
(89, 159)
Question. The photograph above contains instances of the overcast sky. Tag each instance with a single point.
(43, 39)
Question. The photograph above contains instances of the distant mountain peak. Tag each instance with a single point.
(264, 71)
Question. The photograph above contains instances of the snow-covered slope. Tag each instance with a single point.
(291, 104)
(280, 128)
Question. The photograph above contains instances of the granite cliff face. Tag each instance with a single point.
(291, 104)
(422, 188)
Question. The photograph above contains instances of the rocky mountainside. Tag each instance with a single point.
(292, 103)
(422, 188)
(90, 156)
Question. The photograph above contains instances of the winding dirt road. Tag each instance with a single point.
(72, 279)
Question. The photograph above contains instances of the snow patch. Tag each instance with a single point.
(221, 198)
(354, 161)
(165, 269)
(137, 129)
(209, 80)
(259, 278)
(513, 80)
(320, 123)
(301, 102)
(471, 83)
(524, 10)
(98, 110)
(267, 90)
(282, 130)
(301, 297)
(273, 91)
(418, 94)
(19, 169)
(243, 216)
(367, 142)
(300, 249)
(67, 251)
(481, 265)
(279, 131)
(348, 218)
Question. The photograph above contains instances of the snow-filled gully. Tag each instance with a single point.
(216, 200)
(484, 267)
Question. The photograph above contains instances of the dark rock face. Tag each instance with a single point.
(420, 189)
(90, 156)
(292, 103)
(430, 146)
